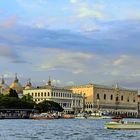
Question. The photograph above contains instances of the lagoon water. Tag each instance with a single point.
(62, 129)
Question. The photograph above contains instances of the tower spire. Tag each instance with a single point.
(29, 82)
(49, 82)
(16, 79)
(2, 80)
(116, 86)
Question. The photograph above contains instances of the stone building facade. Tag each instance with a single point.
(72, 103)
(113, 100)
(139, 106)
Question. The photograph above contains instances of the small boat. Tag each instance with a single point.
(42, 116)
(123, 125)
(81, 116)
(117, 119)
(98, 116)
(68, 116)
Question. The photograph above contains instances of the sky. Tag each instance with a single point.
(73, 41)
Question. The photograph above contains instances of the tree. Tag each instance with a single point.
(49, 106)
(27, 101)
(10, 101)
(13, 93)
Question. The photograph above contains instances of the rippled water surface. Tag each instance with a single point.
(62, 129)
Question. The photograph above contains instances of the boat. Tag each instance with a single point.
(98, 116)
(68, 116)
(118, 123)
(81, 116)
(123, 125)
(42, 116)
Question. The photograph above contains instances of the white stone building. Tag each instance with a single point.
(72, 103)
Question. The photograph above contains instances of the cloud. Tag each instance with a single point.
(74, 1)
(8, 23)
(60, 59)
(70, 83)
(88, 10)
(120, 61)
(10, 54)
(31, 3)
(5, 51)
(56, 82)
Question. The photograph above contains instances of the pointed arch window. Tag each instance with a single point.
(122, 98)
(98, 97)
(104, 96)
(111, 97)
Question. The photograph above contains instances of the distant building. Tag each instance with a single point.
(16, 85)
(139, 106)
(4, 88)
(65, 97)
(113, 100)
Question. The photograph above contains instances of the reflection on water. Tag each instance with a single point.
(62, 129)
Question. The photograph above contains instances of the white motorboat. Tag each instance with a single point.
(123, 125)
(98, 116)
(80, 116)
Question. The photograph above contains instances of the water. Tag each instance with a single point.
(62, 129)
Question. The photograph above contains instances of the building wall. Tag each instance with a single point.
(126, 99)
(88, 90)
(123, 101)
(77, 103)
(138, 97)
(62, 96)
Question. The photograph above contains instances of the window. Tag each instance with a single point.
(56, 94)
(104, 96)
(41, 93)
(122, 98)
(128, 99)
(48, 94)
(38, 94)
(111, 97)
(32, 94)
(45, 94)
(117, 98)
(51, 93)
(134, 100)
(35, 94)
(98, 97)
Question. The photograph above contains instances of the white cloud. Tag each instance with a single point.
(60, 59)
(75, 62)
(70, 83)
(74, 1)
(10, 21)
(120, 61)
(86, 10)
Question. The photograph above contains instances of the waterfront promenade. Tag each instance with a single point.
(62, 129)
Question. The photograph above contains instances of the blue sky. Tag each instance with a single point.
(73, 41)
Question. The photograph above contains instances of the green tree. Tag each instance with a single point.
(7, 101)
(13, 93)
(49, 106)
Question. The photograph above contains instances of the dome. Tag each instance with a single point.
(4, 87)
(16, 85)
(28, 85)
